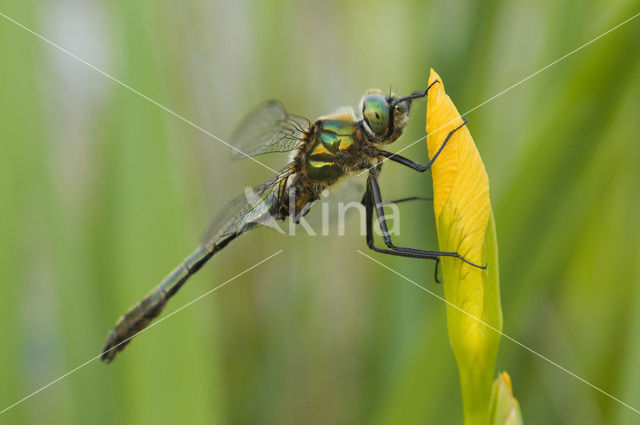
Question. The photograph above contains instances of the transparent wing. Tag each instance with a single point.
(256, 206)
(268, 128)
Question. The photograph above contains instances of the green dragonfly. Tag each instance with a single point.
(325, 151)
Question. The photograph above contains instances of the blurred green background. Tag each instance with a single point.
(103, 193)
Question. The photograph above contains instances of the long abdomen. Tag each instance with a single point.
(140, 315)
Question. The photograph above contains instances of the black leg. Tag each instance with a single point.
(414, 165)
(373, 199)
(407, 199)
(416, 198)
(414, 95)
(368, 204)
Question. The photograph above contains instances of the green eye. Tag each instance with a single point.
(375, 110)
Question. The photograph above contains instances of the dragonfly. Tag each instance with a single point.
(324, 152)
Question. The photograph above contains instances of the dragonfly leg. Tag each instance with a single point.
(373, 200)
(414, 165)
(407, 199)
(416, 95)
(416, 198)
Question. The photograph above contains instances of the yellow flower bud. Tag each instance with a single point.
(464, 222)
(505, 409)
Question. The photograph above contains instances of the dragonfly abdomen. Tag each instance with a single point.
(140, 315)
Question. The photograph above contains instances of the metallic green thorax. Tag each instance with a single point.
(331, 138)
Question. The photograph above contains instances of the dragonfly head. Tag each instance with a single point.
(376, 113)
(384, 117)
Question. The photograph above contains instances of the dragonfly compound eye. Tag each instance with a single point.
(375, 110)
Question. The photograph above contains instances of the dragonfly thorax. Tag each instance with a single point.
(340, 143)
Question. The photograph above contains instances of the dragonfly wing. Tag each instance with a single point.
(256, 206)
(268, 128)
